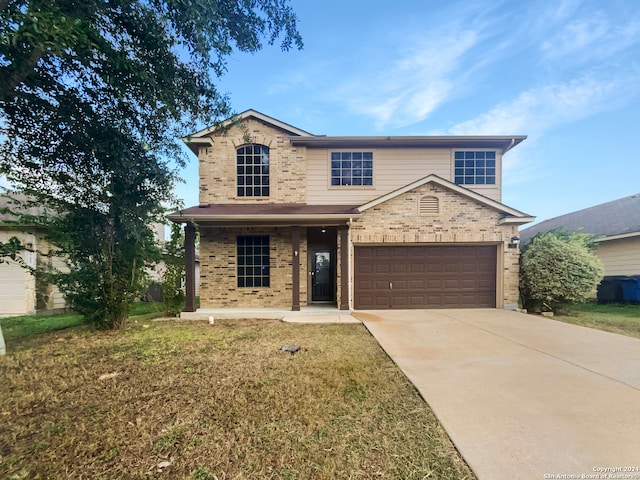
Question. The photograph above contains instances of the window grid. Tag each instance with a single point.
(253, 261)
(475, 168)
(253, 171)
(352, 169)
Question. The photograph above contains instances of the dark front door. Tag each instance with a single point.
(322, 276)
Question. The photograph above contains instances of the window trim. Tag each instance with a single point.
(352, 187)
(244, 263)
(237, 175)
(498, 168)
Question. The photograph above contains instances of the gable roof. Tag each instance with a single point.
(616, 219)
(511, 215)
(201, 138)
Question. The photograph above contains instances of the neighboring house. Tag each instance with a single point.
(616, 228)
(21, 292)
(289, 219)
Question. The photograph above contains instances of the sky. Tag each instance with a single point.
(566, 73)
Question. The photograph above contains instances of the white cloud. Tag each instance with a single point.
(539, 109)
(591, 38)
(575, 36)
(413, 86)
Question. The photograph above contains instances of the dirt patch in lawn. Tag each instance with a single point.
(193, 401)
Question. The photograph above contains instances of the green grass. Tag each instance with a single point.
(216, 402)
(617, 318)
(32, 325)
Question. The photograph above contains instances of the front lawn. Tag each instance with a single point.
(617, 318)
(193, 401)
(29, 326)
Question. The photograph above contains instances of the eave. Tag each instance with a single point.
(265, 214)
(502, 143)
(617, 237)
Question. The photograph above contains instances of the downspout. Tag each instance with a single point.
(513, 142)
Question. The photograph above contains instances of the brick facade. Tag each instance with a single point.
(218, 269)
(287, 165)
(445, 216)
(459, 220)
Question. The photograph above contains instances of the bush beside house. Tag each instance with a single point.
(558, 269)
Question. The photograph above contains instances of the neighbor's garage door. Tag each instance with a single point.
(425, 277)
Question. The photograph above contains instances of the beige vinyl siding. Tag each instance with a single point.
(13, 288)
(620, 257)
(393, 168)
(20, 293)
(17, 285)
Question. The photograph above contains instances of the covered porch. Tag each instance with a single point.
(307, 268)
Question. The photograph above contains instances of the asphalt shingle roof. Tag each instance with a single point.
(612, 218)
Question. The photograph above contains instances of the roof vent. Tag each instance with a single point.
(428, 205)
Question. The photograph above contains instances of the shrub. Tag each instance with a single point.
(557, 269)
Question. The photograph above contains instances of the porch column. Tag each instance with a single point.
(343, 231)
(190, 267)
(295, 265)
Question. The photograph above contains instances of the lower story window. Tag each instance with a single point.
(253, 261)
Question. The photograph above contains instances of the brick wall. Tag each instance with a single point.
(459, 219)
(218, 269)
(288, 169)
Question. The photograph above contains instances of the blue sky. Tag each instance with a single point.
(566, 73)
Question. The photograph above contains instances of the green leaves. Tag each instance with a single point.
(94, 97)
(558, 268)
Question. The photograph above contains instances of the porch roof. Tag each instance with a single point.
(287, 213)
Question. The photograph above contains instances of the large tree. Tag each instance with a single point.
(93, 97)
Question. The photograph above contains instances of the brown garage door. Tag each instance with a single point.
(425, 277)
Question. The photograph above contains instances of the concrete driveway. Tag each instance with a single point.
(521, 396)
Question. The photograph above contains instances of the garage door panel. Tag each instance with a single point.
(451, 284)
(382, 268)
(365, 268)
(400, 268)
(418, 268)
(425, 276)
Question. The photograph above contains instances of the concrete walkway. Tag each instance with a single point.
(311, 314)
(521, 396)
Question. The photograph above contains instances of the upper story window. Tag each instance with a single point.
(475, 168)
(252, 164)
(352, 169)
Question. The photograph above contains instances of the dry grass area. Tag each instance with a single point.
(191, 401)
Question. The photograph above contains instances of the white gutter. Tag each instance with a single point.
(617, 237)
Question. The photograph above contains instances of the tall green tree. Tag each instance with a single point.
(94, 95)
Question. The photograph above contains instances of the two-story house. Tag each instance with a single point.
(289, 219)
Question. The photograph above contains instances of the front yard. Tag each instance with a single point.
(192, 401)
(617, 318)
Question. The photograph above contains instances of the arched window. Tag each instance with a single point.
(428, 205)
(252, 168)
